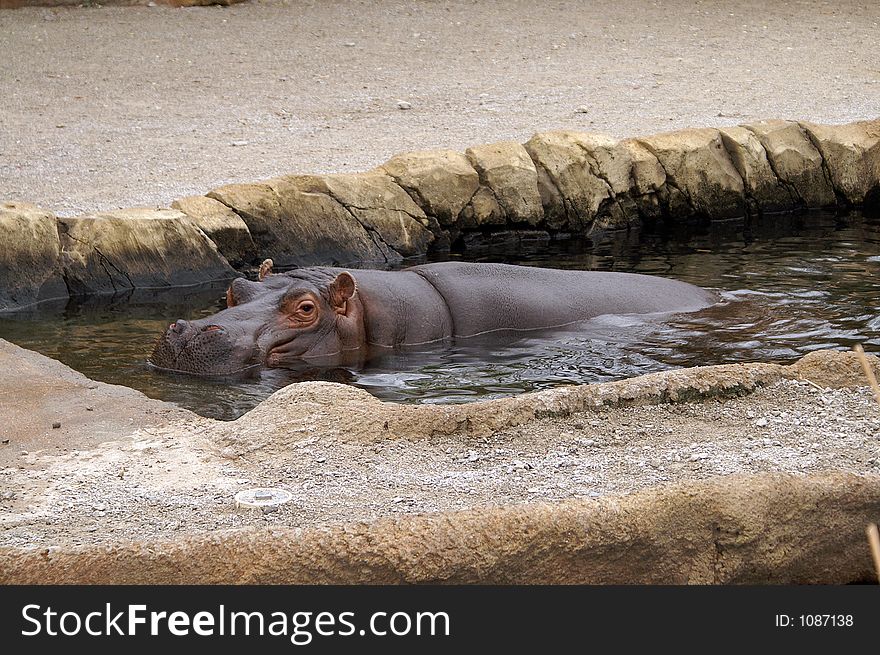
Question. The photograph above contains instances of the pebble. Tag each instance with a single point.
(761, 422)
(239, 143)
(583, 110)
(56, 425)
(403, 104)
(349, 44)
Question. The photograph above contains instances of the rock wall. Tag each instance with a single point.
(555, 185)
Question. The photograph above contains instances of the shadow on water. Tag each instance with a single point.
(788, 285)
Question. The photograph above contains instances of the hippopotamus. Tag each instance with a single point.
(332, 317)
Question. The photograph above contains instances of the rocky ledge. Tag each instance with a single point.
(556, 185)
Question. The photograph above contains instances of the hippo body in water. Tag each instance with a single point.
(330, 317)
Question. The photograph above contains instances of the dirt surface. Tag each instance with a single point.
(163, 482)
(50, 407)
(114, 107)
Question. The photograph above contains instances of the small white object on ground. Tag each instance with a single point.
(262, 497)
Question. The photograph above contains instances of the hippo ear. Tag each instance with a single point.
(342, 289)
(265, 269)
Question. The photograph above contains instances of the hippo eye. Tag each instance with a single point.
(304, 313)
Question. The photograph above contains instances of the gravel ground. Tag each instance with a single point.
(165, 483)
(114, 107)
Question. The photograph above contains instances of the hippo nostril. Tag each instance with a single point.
(178, 326)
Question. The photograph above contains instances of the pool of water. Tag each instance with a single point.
(787, 285)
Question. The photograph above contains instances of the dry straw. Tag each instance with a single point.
(873, 532)
(874, 541)
(869, 371)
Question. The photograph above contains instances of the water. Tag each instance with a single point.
(788, 285)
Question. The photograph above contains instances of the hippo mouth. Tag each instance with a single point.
(245, 371)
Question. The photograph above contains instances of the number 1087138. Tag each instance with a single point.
(815, 621)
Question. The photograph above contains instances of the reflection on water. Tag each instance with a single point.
(803, 283)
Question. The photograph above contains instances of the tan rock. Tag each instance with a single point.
(552, 202)
(483, 209)
(852, 156)
(648, 180)
(760, 182)
(508, 171)
(30, 252)
(222, 225)
(565, 158)
(382, 206)
(612, 160)
(837, 370)
(321, 225)
(294, 221)
(442, 182)
(697, 165)
(137, 248)
(648, 175)
(258, 206)
(795, 161)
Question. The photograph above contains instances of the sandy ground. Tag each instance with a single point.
(164, 482)
(46, 405)
(115, 107)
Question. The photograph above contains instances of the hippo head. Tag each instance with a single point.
(305, 318)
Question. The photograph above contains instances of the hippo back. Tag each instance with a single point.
(487, 297)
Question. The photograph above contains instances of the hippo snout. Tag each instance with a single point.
(200, 349)
(178, 327)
